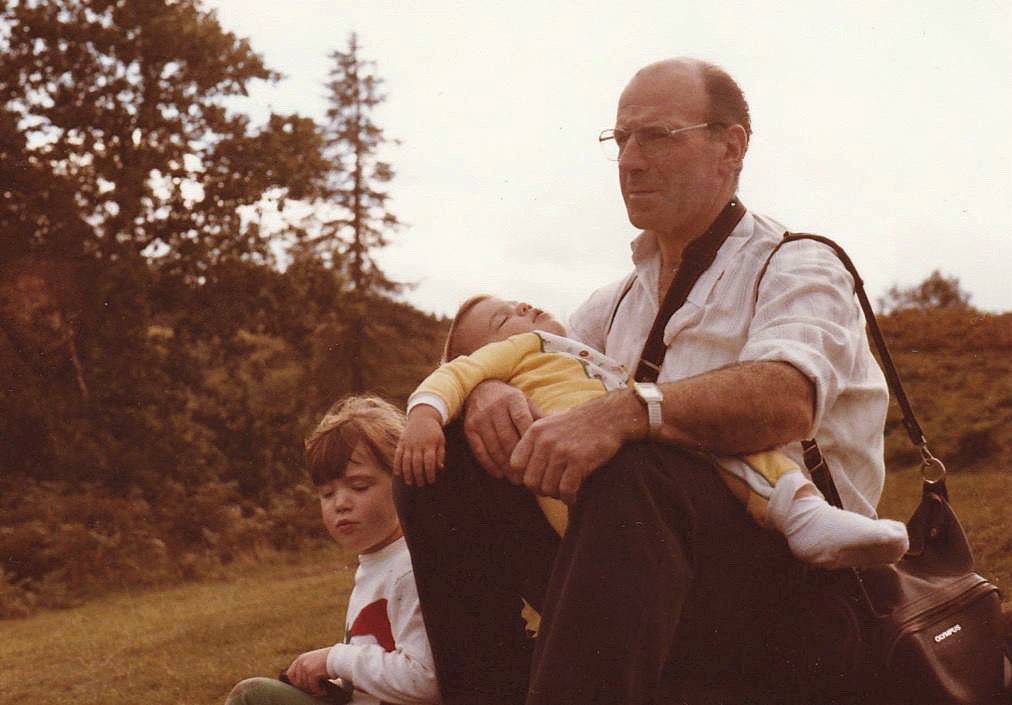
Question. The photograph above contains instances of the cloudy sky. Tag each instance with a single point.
(884, 124)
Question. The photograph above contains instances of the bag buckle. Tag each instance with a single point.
(932, 469)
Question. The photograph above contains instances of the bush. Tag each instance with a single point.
(61, 545)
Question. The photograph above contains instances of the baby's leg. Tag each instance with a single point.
(825, 535)
(781, 497)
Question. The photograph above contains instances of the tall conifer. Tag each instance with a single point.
(358, 221)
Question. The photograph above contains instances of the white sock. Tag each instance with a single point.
(822, 534)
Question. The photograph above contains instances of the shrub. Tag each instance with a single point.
(66, 544)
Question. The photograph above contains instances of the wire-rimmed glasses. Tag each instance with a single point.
(653, 140)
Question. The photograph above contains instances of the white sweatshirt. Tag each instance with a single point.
(386, 652)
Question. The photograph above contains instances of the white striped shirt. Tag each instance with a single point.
(806, 315)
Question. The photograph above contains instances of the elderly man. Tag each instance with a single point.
(662, 589)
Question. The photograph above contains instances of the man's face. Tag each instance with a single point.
(672, 192)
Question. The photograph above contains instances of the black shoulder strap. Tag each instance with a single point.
(696, 259)
(814, 460)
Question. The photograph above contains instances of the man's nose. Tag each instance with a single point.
(631, 156)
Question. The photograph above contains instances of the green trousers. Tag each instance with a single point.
(268, 691)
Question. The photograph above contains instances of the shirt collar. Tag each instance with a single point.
(646, 258)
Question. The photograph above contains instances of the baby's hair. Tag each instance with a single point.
(453, 346)
(368, 420)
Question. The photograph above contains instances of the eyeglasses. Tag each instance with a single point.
(654, 140)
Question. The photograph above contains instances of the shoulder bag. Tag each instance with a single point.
(928, 629)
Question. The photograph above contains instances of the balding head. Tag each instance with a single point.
(721, 98)
(675, 186)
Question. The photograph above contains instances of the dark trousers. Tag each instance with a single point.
(662, 591)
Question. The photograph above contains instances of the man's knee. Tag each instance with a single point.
(649, 468)
(664, 485)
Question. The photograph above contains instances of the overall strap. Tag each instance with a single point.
(696, 259)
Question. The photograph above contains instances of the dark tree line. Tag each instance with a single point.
(151, 327)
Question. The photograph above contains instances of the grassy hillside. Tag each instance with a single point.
(957, 370)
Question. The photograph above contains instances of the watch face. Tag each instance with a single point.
(649, 392)
(651, 395)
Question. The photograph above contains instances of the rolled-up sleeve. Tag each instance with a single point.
(807, 316)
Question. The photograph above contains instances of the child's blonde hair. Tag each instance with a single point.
(368, 420)
(453, 346)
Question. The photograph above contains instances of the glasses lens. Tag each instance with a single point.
(654, 141)
(609, 144)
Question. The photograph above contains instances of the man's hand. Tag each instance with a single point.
(308, 669)
(558, 452)
(421, 451)
(496, 415)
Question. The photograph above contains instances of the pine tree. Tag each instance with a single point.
(356, 220)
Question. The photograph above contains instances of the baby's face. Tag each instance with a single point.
(493, 319)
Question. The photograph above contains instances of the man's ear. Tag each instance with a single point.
(735, 141)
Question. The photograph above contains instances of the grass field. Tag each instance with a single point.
(188, 645)
(182, 646)
(982, 500)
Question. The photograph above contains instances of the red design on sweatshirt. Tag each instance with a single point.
(372, 621)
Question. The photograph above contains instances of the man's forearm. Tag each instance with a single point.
(739, 409)
(735, 410)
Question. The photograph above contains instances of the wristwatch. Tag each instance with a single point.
(651, 395)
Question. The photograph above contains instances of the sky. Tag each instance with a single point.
(885, 125)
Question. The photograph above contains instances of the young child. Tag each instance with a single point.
(516, 343)
(385, 656)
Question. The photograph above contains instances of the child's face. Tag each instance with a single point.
(358, 507)
(493, 319)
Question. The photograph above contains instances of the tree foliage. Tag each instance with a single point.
(120, 105)
(937, 292)
(122, 185)
(155, 356)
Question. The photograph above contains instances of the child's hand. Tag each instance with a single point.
(421, 451)
(308, 669)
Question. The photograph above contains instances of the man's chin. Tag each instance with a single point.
(643, 212)
(642, 220)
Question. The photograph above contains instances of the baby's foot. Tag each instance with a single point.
(822, 534)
